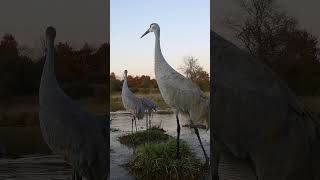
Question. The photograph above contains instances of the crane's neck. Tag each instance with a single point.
(161, 64)
(48, 70)
(158, 54)
(125, 87)
(49, 82)
(125, 81)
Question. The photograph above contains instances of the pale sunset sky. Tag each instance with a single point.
(185, 31)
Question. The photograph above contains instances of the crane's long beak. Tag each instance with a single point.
(145, 33)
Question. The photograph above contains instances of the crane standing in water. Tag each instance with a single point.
(179, 92)
(138, 107)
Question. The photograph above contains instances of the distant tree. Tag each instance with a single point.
(277, 40)
(115, 84)
(26, 51)
(146, 82)
(195, 72)
(81, 72)
(190, 67)
(8, 46)
(98, 63)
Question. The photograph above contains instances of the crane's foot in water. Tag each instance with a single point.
(132, 126)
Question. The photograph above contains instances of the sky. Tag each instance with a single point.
(185, 31)
(79, 21)
(76, 21)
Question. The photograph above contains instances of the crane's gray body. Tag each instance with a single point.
(137, 106)
(257, 117)
(177, 91)
(131, 103)
(149, 105)
(81, 138)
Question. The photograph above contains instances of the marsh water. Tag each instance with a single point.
(25, 156)
(121, 154)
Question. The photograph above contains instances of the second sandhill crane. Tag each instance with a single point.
(138, 107)
(179, 92)
(75, 134)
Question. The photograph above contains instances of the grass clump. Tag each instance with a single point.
(152, 135)
(158, 161)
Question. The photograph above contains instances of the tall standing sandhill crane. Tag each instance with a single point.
(80, 137)
(138, 107)
(179, 92)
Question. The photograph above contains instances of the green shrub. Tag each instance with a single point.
(152, 135)
(158, 161)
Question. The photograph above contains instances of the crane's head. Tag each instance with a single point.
(51, 33)
(154, 27)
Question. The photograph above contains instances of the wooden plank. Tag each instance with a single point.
(231, 168)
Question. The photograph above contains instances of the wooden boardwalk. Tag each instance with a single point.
(49, 167)
(231, 168)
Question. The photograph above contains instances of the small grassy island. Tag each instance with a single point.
(156, 156)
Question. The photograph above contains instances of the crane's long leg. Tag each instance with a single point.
(146, 121)
(150, 120)
(178, 135)
(135, 123)
(132, 125)
(198, 136)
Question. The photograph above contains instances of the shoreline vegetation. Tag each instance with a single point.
(23, 111)
(156, 156)
(116, 101)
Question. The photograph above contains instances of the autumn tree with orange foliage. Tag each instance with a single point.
(192, 70)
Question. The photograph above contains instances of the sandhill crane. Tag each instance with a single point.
(137, 106)
(179, 92)
(258, 119)
(80, 137)
(131, 102)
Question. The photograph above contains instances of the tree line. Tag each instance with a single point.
(76, 70)
(272, 36)
(190, 68)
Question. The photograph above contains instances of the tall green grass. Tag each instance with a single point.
(158, 161)
(152, 135)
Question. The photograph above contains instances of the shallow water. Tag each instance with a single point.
(25, 156)
(120, 154)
